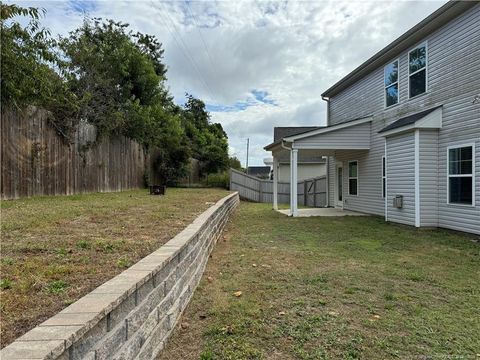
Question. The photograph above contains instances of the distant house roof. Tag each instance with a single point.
(431, 23)
(407, 120)
(259, 170)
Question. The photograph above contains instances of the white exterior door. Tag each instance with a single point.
(339, 185)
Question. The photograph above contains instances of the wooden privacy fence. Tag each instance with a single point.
(311, 192)
(35, 160)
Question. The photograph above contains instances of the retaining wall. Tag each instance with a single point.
(132, 315)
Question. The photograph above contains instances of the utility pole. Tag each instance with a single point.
(248, 145)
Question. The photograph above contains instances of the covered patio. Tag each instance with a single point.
(328, 142)
(327, 212)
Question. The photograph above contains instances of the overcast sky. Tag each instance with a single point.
(256, 64)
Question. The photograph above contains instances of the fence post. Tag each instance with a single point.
(314, 193)
(305, 190)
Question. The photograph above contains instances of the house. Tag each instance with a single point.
(308, 167)
(403, 129)
(262, 172)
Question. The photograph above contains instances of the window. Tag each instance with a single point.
(390, 77)
(384, 179)
(417, 70)
(460, 175)
(353, 177)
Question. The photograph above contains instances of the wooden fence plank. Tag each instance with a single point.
(35, 160)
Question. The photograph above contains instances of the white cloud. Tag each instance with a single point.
(222, 50)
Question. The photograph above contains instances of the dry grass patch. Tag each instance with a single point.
(57, 249)
(333, 288)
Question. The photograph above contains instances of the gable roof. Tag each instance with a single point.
(259, 170)
(434, 21)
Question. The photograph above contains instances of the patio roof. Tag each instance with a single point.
(350, 135)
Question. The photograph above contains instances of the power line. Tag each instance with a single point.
(203, 42)
(182, 45)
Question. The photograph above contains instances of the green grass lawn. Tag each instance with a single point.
(56, 249)
(333, 288)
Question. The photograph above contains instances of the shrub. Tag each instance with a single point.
(221, 180)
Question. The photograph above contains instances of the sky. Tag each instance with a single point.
(256, 64)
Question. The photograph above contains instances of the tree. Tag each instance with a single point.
(115, 74)
(209, 142)
(30, 67)
(234, 163)
(121, 79)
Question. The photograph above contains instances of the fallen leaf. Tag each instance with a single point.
(210, 279)
(254, 265)
(281, 313)
(185, 325)
(237, 293)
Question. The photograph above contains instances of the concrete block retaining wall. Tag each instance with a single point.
(132, 315)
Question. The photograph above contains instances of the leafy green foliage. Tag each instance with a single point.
(209, 142)
(28, 62)
(234, 163)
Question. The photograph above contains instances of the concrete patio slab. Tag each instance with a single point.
(323, 212)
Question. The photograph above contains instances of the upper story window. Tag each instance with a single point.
(417, 70)
(390, 76)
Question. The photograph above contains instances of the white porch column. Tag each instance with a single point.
(293, 182)
(275, 183)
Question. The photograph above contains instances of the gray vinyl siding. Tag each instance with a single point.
(428, 149)
(355, 137)
(453, 79)
(401, 177)
(453, 57)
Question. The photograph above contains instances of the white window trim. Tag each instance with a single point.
(348, 177)
(384, 176)
(425, 43)
(385, 87)
(461, 175)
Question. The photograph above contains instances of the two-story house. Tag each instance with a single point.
(403, 129)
